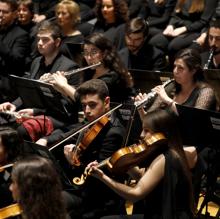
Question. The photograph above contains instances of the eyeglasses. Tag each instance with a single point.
(90, 53)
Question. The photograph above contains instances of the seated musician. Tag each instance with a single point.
(95, 100)
(163, 175)
(36, 187)
(188, 88)
(48, 43)
(10, 150)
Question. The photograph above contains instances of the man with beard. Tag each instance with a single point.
(138, 53)
(211, 58)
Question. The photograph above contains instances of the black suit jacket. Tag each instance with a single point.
(61, 63)
(14, 48)
(147, 58)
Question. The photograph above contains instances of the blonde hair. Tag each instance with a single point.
(73, 9)
(196, 6)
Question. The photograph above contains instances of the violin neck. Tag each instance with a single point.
(104, 163)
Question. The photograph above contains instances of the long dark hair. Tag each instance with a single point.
(121, 11)
(192, 59)
(11, 142)
(166, 122)
(111, 59)
(39, 189)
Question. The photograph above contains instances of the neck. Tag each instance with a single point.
(100, 70)
(70, 31)
(49, 59)
(188, 87)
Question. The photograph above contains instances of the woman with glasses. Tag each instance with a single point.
(98, 49)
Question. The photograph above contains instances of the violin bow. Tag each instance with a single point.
(85, 127)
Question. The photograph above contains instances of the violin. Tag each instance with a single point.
(87, 139)
(128, 157)
(10, 211)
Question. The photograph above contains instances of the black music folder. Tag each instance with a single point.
(199, 127)
(36, 94)
(146, 80)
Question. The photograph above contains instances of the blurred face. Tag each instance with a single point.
(14, 190)
(92, 54)
(64, 18)
(93, 106)
(3, 154)
(108, 11)
(181, 72)
(134, 41)
(24, 14)
(7, 16)
(214, 38)
(146, 133)
(46, 44)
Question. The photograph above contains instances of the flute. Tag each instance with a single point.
(72, 72)
(150, 96)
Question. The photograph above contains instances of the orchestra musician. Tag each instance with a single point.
(10, 151)
(94, 97)
(191, 90)
(189, 87)
(48, 43)
(163, 181)
(36, 187)
(211, 58)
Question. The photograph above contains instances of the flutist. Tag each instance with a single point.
(189, 89)
(48, 44)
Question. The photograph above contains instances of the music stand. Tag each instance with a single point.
(30, 148)
(212, 76)
(36, 94)
(146, 80)
(201, 128)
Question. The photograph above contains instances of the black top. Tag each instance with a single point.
(170, 199)
(147, 58)
(193, 21)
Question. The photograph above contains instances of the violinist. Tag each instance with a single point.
(36, 187)
(188, 88)
(94, 98)
(10, 150)
(164, 181)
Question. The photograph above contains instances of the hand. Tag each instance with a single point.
(93, 170)
(162, 94)
(7, 107)
(68, 152)
(201, 39)
(178, 31)
(59, 81)
(46, 76)
(28, 112)
(38, 18)
(168, 31)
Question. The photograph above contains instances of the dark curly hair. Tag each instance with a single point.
(11, 142)
(111, 60)
(120, 9)
(39, 188)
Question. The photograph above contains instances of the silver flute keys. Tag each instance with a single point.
(150, 96)
(72, 72)
(211, 53)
